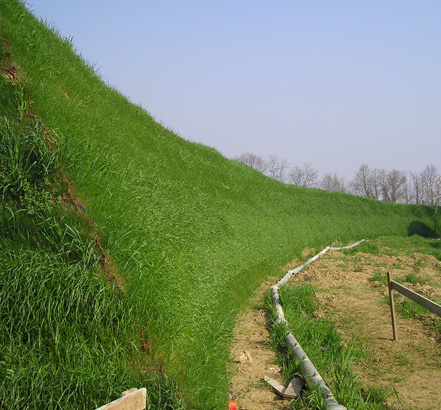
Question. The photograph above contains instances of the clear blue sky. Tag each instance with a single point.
(333, 83)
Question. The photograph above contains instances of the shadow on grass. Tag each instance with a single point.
(421, 229)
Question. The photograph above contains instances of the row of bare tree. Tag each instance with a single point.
(376, 183)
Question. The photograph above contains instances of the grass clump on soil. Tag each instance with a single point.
(410, 275)
(411, 310)
(331, 355)
(191, 232)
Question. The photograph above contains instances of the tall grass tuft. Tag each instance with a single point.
(67, 338)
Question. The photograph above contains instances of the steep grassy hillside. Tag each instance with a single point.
(189, 232)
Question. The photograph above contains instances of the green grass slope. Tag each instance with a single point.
(190, 232)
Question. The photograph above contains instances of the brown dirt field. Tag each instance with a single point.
(410, 365)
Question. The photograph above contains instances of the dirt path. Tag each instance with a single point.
(252, 358)
(411, 365)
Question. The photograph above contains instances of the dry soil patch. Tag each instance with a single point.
(411, 365)
(252, 358)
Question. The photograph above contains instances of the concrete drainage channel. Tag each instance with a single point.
(307, 369)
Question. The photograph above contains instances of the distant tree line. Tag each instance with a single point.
(377, 183)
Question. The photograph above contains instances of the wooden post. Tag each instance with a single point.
(392, 307)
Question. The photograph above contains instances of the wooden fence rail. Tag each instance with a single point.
(413, 296)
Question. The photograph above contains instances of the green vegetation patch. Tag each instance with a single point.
(67, 338)
(191, 232)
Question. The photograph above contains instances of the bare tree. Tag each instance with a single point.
(376, 183)
(277, 168)
(377, 177)
(429, 178)
(396, 183)
(395, 186)
(363, 182)
(284, 166)
(304, 177)
(370, 183)
(435, 193)
(332, 183)
(252, 160)
(408, 190)
(416, 187)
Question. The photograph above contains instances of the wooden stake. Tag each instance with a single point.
(392, 307)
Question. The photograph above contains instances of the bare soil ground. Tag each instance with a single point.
(411, 365)
(252, 358)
